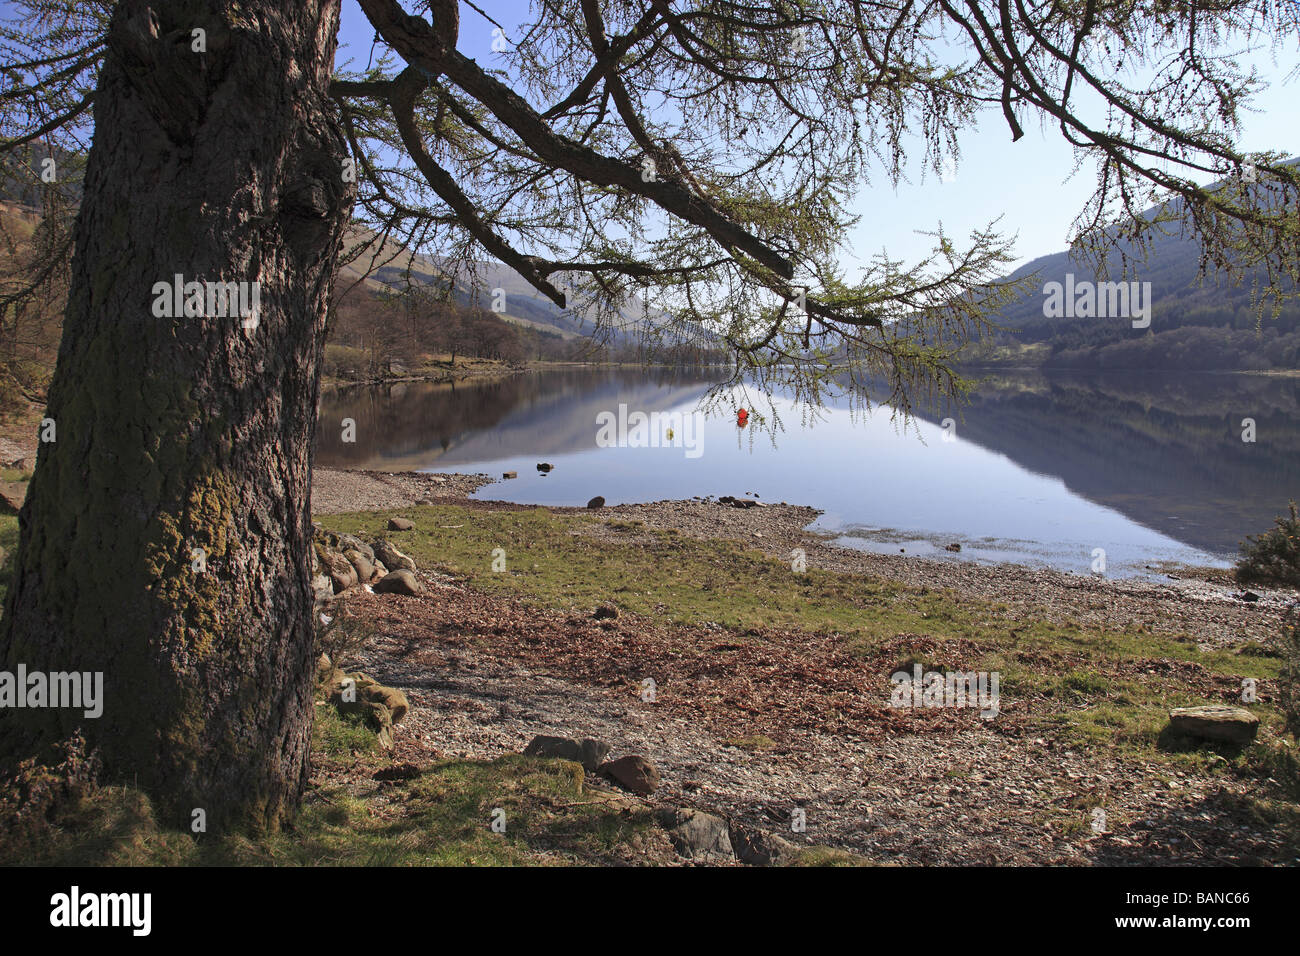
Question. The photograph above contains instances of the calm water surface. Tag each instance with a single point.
(1041, 469)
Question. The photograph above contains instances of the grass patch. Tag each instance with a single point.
(439, 817)
(1097, 686)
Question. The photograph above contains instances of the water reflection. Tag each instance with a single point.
(1046, 467)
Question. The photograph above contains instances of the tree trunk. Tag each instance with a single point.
(165, 539)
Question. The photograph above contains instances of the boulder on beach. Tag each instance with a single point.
(760, 848)
(596, 502)
(322, 588)
(399, 582)
(1234, 725)
(391, 558)
(350, 542)
(401, 524)
(339, 569)
(12, 495)
(697, 835)
(365, 567)
(357, 694)
(588, 751)
(633, 773)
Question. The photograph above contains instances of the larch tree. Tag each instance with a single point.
(696, 156)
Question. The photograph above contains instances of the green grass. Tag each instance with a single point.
(442, 816)
(1093, 680)
(1094, 684)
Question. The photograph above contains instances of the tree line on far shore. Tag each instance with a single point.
(373, 334)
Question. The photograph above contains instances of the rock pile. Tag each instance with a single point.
(344, 561)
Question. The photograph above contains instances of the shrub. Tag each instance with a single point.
(341, 635)
(1274, 556)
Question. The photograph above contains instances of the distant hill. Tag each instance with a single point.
(1193, 324)
(524, 305)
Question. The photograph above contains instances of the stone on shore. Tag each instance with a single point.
(12, 496)
(1215, 722)
(339, 569)
(391, 558)
(697, 835)
(760, 848)
(322, 588)
(401, 524)
(364, 566)
(588, 752)
(399, 582)
(634, 773)
(350, 542)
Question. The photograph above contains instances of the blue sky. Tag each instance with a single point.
(1028, 183)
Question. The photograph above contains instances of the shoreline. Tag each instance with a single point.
(772, 692)
(1194, 603)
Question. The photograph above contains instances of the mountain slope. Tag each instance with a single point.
(1194, 323)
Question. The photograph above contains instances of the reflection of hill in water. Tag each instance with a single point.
(409, 427)
(1165, 451)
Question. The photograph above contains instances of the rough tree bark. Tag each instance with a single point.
(185, 433)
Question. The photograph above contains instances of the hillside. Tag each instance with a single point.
(1195, 322)
(392, 267)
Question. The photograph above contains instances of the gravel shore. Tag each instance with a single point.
(786, 721)
(1209, 610)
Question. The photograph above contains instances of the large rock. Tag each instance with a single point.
(635, 773)
(12, 496)
(322, 588)
(596, 502)
(325, 670)
(379, 706)
(1215, 722)
(698, 836)
(760, 848)
(401, 524)
(350, 542)
(364, 566)
(399, 582)
(392, 559)
(587, 751)
(339, 569)
(392, 698)
(381, 722)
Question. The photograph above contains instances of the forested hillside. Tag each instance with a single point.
(1196, 321)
